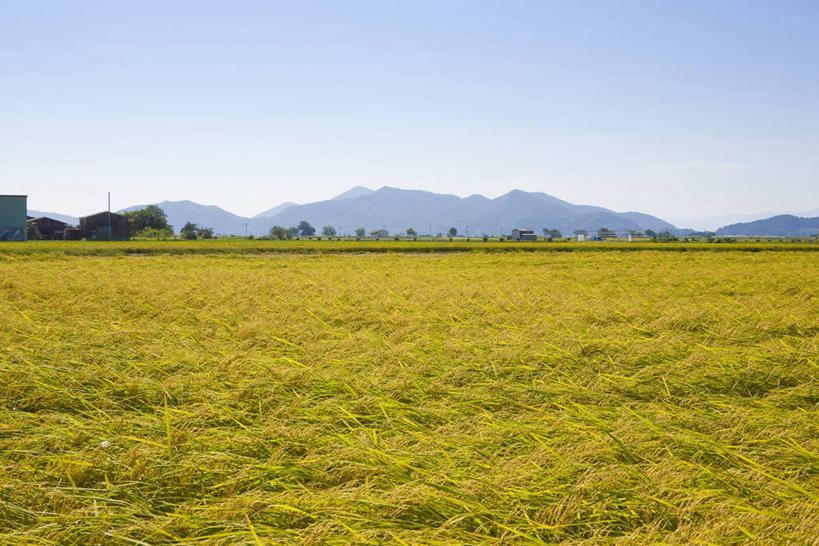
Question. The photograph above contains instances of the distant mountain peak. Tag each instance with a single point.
(276, 210)
(352, 193)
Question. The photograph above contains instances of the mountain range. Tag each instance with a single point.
(396, 210)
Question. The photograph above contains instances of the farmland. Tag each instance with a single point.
(306, 246)
(258, 393)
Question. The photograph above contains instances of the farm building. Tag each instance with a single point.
(523, 235)
(49, 228)
(13, 217)
(95, 227)
(380, 234)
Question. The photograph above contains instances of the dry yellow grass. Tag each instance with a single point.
(543, 397)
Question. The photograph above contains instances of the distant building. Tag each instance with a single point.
(49, 228)
(13, 209)
(581, 237)
(523, 235)
(95, 227)
(380, 234)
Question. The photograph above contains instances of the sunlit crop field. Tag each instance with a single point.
(244, 247)
(410, 398)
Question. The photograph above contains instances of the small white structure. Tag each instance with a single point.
(519, 234)
(581, 237)
(380, 234)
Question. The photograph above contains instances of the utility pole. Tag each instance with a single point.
(110, 234)
(245, 230)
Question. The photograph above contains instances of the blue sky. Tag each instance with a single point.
(679, 109)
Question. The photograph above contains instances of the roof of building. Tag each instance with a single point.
(103, 213)
(40, 218)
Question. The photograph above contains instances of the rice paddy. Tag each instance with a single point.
(408, 398)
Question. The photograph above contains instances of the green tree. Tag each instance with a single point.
(665, 237)
(192, 231)
(151, 217)
(188, 231)
(278, 232)
(306, 229)
(606, 233)
(32, 232)
(411, 233)
(293, 231)
(160, 234)
(453, 232)
(328, 231)
(553, 233)
(360, 232)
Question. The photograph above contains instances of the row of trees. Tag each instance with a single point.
(191, 231)
(304, 229)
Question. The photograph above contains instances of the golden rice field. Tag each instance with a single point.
(470, 397)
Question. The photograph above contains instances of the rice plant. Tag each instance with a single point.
(218, 394)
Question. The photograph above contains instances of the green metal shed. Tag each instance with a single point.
(13, 209)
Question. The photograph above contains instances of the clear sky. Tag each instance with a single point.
(695, 108)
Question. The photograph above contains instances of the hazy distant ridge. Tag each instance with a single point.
(784, 225)
(72, 220)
